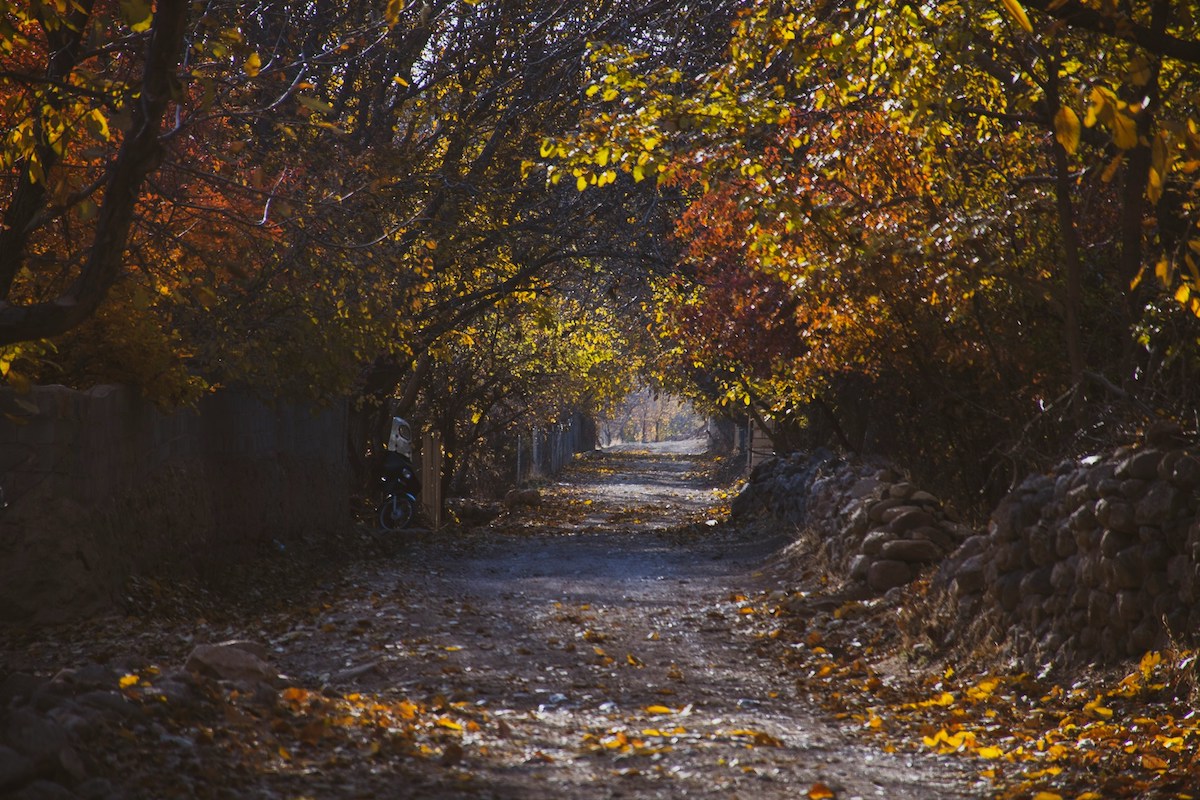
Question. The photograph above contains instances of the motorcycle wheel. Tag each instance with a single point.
(395, 512)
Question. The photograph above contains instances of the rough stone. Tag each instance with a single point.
(1129, 568)
(35, 737)
(1134, 489)
(44, 790)
(865, 487)
(910, 520)
(859, 567)
(232, 661)
(1090, 572)
(1088, 540)
(1064, 542)
(887, 574)
(1185, 473)
(1010, 557)
(937, 535)
(1037, 583)
(1160, 505)
(1146, 636)
(911, 551)
(902, 490)
(1099, 608)
(1042, 546)
(969, 577)
(1062, 574)
(874, 541)
(1129, 606)
(1142, 465)
(923, 498)
(1116, 514)
(15, 769)
(1113, 541)
(18, 686)
(972, 546)
(878, 509)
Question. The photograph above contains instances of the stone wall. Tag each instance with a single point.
(1098, 560)
(101, 485)
(879, 530)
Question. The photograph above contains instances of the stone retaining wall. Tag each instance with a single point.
(1098, 560)
(879, 530)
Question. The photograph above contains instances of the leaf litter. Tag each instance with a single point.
(552, 654)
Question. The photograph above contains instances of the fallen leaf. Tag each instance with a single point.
(820, 791)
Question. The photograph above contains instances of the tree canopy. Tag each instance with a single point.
(959, 233)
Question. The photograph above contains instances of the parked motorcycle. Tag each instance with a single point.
(399, 483)
(400, 488)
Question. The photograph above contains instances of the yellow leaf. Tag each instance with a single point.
(129, 680)
(581, 183)
(659, 710)
(1066, 129)
(138, 14)
(392, 12)
(1111, 169)
(253, 65)
(1018, 14)
(547, 148)
(1047, 796)
(1164, 272)
(990, 752)
(284, 754)
(1124, 127)
(449, 724)
(1183, 293)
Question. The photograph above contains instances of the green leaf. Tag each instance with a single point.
(313, 103)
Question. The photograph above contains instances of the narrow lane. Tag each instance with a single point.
(605, 638)
(607, 643)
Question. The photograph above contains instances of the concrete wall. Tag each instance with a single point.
(101, 485)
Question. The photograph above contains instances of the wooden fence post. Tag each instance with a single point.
(431, 478)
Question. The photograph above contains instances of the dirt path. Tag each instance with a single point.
(599, 646)
(608, 647)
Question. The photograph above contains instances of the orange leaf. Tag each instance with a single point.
(820, 791)
(1153, 762)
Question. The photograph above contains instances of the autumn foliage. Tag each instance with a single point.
(960, 235)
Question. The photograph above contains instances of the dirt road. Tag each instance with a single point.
(598, 646)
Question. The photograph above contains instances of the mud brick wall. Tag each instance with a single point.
(101, 485)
